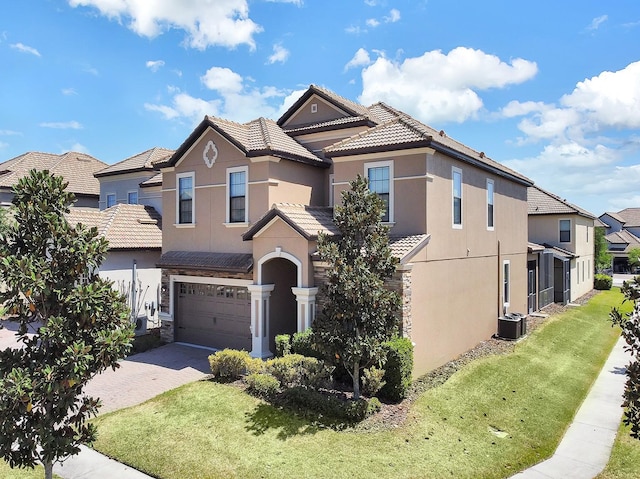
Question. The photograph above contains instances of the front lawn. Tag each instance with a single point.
(625, 457)
(493, 418)
(7, 473)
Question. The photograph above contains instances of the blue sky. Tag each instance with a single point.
(549, 88)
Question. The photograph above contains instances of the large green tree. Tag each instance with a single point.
(79, 324)
(360, 313)
(634, 257)
(630, 325)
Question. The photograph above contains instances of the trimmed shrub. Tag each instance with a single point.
(602, 282)
(373, 406)
(398, 369)
(262, 385)
(297, 370)
(283, 345)
(229, 364)
(372, 381)
(329, 406)
(303, 343)
(255, 365)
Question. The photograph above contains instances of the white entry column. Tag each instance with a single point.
(260, 294)
(306, 298)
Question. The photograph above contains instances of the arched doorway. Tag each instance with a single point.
(283, 274)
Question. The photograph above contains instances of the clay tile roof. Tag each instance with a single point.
(630, 217)
(76, 168)
(140, 162)
(533, 247)
(541, 202)
(123, 226)
(306, 220)
(264, 137)
(238, 262)
(405, 247)
(623, 238)
(328, 125)
(155, 180)
(616, 217)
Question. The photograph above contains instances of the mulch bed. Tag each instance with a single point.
(394, 415)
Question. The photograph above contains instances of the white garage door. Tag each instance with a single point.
(213, 315)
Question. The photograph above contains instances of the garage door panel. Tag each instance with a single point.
(216, 316)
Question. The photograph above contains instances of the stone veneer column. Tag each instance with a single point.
(306, 298)
(260, 294)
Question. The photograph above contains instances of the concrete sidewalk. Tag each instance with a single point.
(586, 446)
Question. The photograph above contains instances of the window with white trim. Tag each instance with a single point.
(506, 282)
(456, 193)
(237, 194)
(132, 197)
(490, 191)
(111, 200)
(185, 198)
(380, 177)
(565, 231)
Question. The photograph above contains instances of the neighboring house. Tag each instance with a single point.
(133, 181)
(561, 250)
(622, 234)
(76, 168)
(458, 226)
(134, 233)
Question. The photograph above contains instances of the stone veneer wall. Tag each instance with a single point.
(400, 282)
(167, 326)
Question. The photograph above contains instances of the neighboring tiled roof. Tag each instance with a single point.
(255, 138)
(306, 220)
(76, 168)
(237, 262)
(348, 121)
(615, 216)
(541, 202)
(153, 181)
(559, 252)
(630, 216)
(623, 238)
(140, 162)
(534, 247)
(123, 226)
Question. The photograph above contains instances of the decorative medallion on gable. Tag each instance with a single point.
(210, 153)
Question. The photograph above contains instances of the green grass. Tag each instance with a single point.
(7, 473)
(625, 457)
(493, 418)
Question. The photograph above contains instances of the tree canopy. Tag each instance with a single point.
(360, 313)
(72, 325)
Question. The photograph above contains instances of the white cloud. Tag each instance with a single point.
(354, 30)
(91, 70)
(280, 55)
(9, 133)
(62, 125)
(78, 147)
(361, 58)
(516, 108)
(233, 99)
(21, 47)
(372, 22)
(394, 16)
(436, 87)
(154, 65)
(596, 22)
(69, 91)
(206, 23)
(295, 2)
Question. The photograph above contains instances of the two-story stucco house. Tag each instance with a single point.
(561, 269)
(622, 234)
(76, 168)
(243, 205)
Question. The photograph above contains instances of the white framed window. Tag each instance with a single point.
(380, 177)
(185, 198)
(506, 282)
(490, 214)
(456, 197)
(132, 197)
(314, 108)
(111, 199)
(565, 231)
(237, 195)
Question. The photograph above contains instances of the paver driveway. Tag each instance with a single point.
(141, 376)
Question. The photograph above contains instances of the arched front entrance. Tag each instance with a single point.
(282, 273)
(279, 302)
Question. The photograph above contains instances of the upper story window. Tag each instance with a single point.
(380, 176)
(132, 197)
(506, 282)
(490, 190)
(111, 200)
(237, 194)
(565, 231)
(456, 176)
(185, 198)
